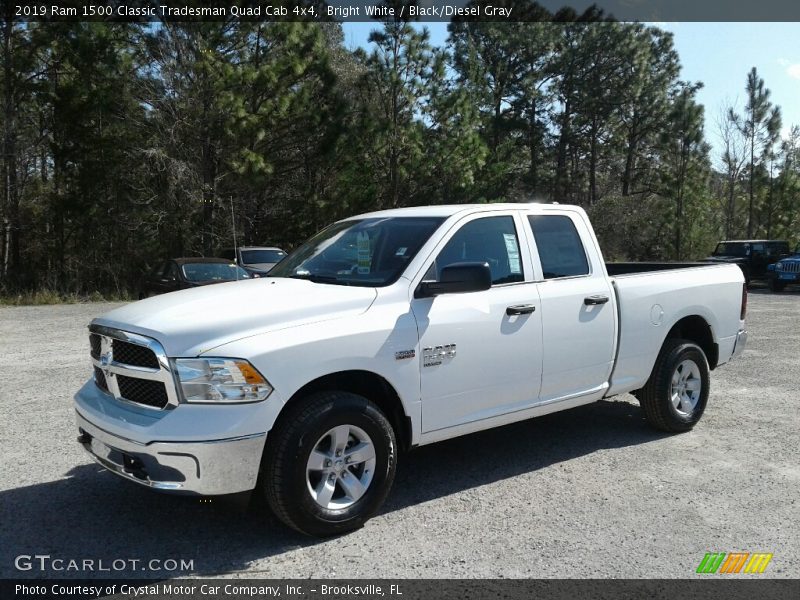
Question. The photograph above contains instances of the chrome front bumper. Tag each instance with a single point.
(208, 467)
(741, 342)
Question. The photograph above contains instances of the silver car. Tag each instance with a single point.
(256, 260)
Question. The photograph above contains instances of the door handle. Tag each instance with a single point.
(597, 299)
(520, 309)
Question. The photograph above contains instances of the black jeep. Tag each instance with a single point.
(752, 256)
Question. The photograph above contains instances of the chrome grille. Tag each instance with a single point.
(132, 368)
(790, 267)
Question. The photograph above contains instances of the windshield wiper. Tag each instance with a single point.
(319, 278)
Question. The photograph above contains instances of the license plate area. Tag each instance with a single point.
(789, 276)
(100, 450)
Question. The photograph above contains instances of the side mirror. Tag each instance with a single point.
(458, 278)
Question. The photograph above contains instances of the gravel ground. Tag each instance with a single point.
(590, 492)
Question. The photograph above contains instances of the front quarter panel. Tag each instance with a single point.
(294, 357)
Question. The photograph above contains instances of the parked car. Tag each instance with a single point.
(183, 273)
(752, 256)
(784, 272)
(391, 330)
(256, 260)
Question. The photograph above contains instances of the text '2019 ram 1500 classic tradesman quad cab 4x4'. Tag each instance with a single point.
(388, 331)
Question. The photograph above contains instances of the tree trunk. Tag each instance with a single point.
(496, 125)
(769, 205)
(10, 192)
(533, 140)
(209, 178)
(731, 206)
(559, 188)
(593, 163)
(752, 169)
(630, 160)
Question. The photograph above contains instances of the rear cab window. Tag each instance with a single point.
(559, 245)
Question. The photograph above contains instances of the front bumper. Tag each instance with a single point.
(741, 342)
(208, 467)
(786, 276)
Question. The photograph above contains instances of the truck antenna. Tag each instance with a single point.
(233, 229)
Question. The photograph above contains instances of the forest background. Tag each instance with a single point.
(127, 143)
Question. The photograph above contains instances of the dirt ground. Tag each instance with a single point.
(590, 492)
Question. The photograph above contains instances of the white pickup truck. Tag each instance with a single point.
(391, 330)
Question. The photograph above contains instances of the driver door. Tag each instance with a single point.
(481, 352)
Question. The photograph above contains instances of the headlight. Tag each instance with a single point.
(220, 380)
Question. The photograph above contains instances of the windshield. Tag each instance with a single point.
(214, 272)
(366, 252)
(256, 257)
(732, 249)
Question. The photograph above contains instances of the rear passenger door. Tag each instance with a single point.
(578, 307)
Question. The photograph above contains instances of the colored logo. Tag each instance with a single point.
(734, 562)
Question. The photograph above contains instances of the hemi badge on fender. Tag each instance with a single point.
(403, 354)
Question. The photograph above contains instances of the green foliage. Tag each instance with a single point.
(127, 143)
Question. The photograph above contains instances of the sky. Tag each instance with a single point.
(718, 54)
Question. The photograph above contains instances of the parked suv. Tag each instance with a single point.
(752, 256)
(256, 260)
(784, 272)
(184, 273)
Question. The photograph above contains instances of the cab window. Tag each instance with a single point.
(560, 248)
(492, 240)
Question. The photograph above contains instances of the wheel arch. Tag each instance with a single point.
(696, 329)
(370, 385)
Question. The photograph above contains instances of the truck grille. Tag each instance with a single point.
(133, 354)
(94, 344)
(143, 391)
(790, 267)
(131, 367)
(100, 379)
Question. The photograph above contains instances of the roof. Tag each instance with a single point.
(448, 210)
(753, 242)
(200, 259)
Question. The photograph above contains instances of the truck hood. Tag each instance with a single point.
(193, 321)
(725, 259)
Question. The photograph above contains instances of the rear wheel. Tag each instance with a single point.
(329, 464)
(675, 396)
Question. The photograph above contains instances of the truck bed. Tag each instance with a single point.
(651, 295)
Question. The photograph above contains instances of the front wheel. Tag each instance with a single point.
(329, 463)
(776, 286)
(675, 396)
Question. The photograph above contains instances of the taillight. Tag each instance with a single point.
(744, 302)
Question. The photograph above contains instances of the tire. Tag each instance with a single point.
(776, 286)
(681, 368)
(331, 496)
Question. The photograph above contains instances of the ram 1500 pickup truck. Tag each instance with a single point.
(391, 330)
